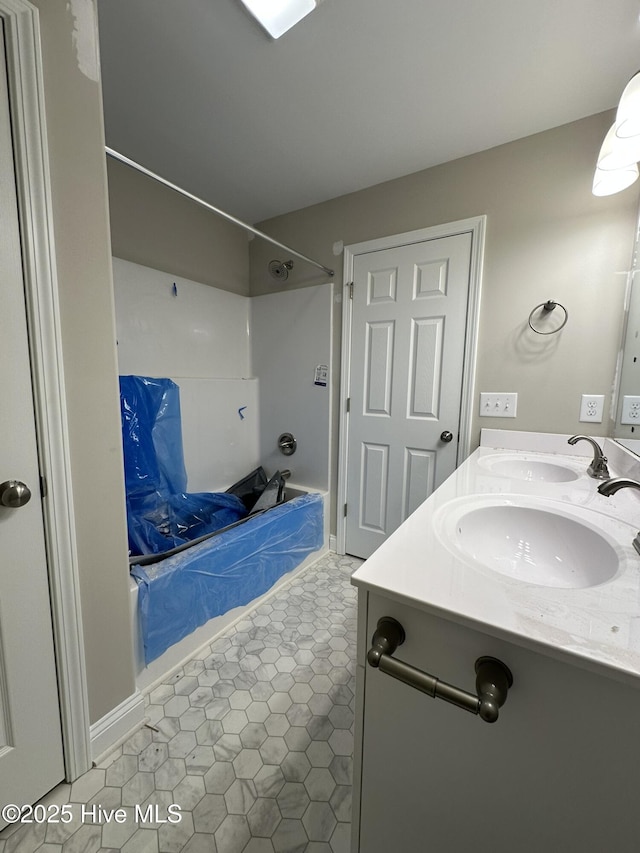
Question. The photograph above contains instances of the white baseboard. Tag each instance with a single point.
(117, 725)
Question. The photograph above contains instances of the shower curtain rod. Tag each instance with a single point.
(115, 155)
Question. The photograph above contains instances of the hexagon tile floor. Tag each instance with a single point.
(250, 743)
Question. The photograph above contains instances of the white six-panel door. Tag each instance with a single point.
(31, 760)
(408, 326)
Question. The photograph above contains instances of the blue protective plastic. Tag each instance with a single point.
(180, 593)
(160, 513)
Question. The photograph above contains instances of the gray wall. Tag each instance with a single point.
(81, 228)
(548, 237)
(154, 226)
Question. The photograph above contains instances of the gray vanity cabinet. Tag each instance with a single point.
(558, 772)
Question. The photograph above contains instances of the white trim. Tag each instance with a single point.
(477, 227)
(345, 375)
(116, 726)
(478, 231)
(26, 88)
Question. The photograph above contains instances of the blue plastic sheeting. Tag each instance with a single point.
(160, 513)
(182, 592)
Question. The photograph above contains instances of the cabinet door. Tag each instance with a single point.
(556, 772)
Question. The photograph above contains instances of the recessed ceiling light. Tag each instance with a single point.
(278, 16)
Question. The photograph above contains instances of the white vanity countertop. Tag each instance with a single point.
(597, 627)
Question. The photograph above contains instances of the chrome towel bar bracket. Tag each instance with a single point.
(493, 678)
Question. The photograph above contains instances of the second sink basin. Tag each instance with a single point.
(533, 470)
(533, 543)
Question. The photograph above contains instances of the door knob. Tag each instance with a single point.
(14, 494)
(446, 436)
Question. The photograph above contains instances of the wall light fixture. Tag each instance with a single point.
(278, 16)
(617, 166)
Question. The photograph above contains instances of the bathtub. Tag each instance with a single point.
(158, 669)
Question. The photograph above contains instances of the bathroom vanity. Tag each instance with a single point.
(559, 770)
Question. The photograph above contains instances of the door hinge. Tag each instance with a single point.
(345, 510)
(348, 404)
(350, 286)
(43, 486)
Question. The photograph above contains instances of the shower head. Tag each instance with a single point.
(280, 269)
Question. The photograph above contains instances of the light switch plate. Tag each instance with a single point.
(498, 405)
(591, 408)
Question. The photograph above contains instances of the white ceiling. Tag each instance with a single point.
(361, 91)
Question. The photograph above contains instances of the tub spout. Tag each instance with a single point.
(598, 468)
(610, 487)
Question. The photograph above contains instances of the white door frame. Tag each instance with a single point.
(477, 226)
(25, 79)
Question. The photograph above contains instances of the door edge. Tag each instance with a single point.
(25, 80)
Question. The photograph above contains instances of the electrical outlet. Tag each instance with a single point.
(504, 405)
(592, 408)
(630, 410)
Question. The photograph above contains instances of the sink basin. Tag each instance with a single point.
(533, 544)
(533, 470)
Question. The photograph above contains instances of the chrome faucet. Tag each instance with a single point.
(598, 467)
(610, 487)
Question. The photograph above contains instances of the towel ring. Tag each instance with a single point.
(547, 307)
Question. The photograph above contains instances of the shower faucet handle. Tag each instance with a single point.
(287, 444)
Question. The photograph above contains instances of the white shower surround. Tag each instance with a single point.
(245, 367)
(198, 336)
(291, 335)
